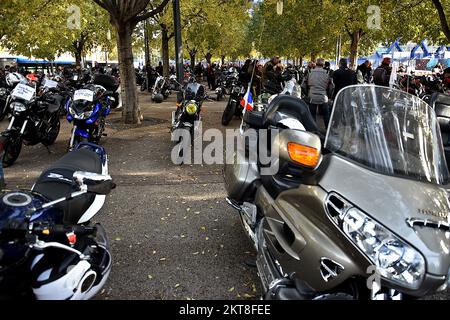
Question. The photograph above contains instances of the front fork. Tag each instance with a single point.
(24, 126)
(72, 137)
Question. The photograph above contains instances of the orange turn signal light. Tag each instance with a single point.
(303, 155)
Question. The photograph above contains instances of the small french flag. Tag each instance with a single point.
(247, 101)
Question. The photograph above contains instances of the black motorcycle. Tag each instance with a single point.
(188, 114)
(234, 107)
(4, 94)
(35, 119)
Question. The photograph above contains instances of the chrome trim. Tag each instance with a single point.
(11, 123)
(331, 273)
(413, 222)
(15, 204)
(24, 126)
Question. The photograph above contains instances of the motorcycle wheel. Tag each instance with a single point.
(52, 133)
(219, 97)
(12, 151)
(229, 112)
(143, 86)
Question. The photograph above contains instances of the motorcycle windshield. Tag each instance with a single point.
(389, 131)
(194, 91)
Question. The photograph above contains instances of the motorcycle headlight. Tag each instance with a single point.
(18, 107)
(81, 115)
(396, 261)
(191, 109)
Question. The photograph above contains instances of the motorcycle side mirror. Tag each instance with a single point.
(298, 148)
(94, 183)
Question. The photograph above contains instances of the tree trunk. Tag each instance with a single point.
(78, 48)
(192, 55)
(356, 38)
(442, 18)
(78, 58)
(223, 60)
(165, 50)
(208, 57)
(131, 112)
(313, 56)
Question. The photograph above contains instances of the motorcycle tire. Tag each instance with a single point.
(228, 113)
(12, 151)
(166, 95)
(219, 97)
(143, 87)
(52, 133)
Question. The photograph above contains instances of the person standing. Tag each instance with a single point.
(364, 72)
(328, 68)
(343, 77)
(382, 74)
(446, 81)
(160, 68)
(211, 76)
(319, 87)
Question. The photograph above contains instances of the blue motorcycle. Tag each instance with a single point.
(49, 250)
(89, 107)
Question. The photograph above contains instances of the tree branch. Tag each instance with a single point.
(442, 18)
(152, 12)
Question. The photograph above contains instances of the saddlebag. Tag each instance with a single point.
(241, 179)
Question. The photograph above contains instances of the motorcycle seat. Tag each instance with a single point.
(57, 182)
(285, 106)
(441, 105)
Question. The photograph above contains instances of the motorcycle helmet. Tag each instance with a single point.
(32, 77)
(158, 98)
(62, 275)
(12, 79)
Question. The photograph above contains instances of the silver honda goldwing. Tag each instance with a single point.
(363, 215)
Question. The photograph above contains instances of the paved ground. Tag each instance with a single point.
(172, 234)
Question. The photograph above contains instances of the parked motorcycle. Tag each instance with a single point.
(89, 108)
(225, 84)
(188, 113)
(234, 108)
(160, 89)
(11, 80)
(362, 216)
(35, 119)
(49, 249)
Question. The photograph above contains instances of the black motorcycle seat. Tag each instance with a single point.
(285, 106)
(441, 105)
(57, 182)
(106, 81)
(53, 107)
